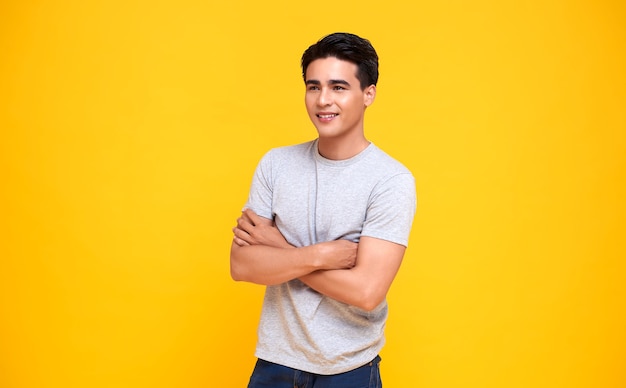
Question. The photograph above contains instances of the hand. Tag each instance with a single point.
(252, 229)
(338, 254)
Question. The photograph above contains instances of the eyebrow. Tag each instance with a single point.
(330, 82)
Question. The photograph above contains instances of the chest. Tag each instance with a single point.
(320, 204)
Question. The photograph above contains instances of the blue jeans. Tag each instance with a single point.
(269, 375)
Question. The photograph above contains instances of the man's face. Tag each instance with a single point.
(334, 99)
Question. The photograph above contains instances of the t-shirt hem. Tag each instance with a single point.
(393, 239)
(317, 369)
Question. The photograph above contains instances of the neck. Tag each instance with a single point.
(336, 149)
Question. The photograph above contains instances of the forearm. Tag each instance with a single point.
(366, 284)
(268, 265)
(262, 264)
(349, 286)
(260, 254)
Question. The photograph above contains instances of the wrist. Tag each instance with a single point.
(318, 255)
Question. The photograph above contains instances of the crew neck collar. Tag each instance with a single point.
(341, 162)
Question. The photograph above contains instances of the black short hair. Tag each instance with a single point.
(347, 47)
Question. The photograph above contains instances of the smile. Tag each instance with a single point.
(327, 116)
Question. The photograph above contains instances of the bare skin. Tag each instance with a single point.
(260, 254)
(356, 274)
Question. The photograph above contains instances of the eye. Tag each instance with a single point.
(313, 87)
(338, 87)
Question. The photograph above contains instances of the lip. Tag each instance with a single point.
(326, 116)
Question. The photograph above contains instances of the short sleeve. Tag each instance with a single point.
(261, 189)
(391, 210)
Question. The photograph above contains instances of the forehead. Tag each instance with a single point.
(331, 68)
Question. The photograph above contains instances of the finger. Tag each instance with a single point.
(251, 216)
(237, 231)
(244, 224)
(243, 235)
(239, 241)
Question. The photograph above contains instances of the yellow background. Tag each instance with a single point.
(130, 131)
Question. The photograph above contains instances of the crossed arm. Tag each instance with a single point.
(356, 274)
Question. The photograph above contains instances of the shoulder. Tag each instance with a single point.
(386, 167)
(286, 160)
(390, 162)
(392, 180)
(290, 152)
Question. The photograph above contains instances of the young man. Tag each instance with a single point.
(325, 229)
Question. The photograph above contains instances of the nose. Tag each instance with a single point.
(324, 97)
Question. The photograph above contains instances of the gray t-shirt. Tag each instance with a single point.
(313, 199)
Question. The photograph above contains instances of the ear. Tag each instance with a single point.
(369, 94)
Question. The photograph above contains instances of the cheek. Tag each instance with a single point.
(352, 104)
(309, 101)
(350, 100)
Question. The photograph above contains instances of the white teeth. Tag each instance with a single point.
(326, 116)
